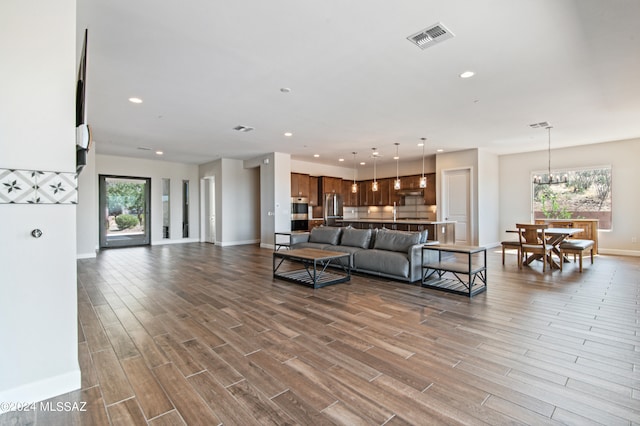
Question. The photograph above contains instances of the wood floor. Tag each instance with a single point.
(202, 335)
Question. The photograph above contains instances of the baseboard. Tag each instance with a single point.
(86, 255)
(236, 243)
(618, 252)
(175, 241)
(267, 246)
(40, 390)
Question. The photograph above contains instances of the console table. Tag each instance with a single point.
(315, 262)
(466, 266)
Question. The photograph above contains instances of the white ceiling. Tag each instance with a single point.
(203, 67)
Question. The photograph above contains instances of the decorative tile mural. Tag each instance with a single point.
(38, 187)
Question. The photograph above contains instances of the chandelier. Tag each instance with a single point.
(550, 179)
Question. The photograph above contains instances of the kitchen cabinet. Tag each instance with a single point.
(381, 197)
(365, 193)
(313, 191)
(330, 185)
(349, 198)
(315, 223)
(299, 185)
(430, 190)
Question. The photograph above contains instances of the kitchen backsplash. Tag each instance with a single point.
(386, 212)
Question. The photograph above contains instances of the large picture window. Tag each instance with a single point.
(586, 194)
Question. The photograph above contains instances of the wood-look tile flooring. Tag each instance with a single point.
(202, 335)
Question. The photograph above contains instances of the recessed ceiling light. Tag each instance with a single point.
(421, 144)
(340, 159)
(362, 163)
(467, 74)
(316, 155)
(439, 150)
(288, 134)
(135, 100)
(159, 152)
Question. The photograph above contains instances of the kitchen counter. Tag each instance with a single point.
(439, 230)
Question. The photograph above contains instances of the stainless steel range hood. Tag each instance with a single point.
(410, 192)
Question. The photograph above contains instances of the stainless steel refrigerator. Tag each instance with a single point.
(332, 209)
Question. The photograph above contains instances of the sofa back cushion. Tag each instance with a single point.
(325, 234)
(396, 241)
(356, 237)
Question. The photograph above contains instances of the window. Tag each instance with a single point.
(586, 194)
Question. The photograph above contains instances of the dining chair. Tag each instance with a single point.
(534, 241)
(511, 244)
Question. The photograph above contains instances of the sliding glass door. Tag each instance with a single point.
(124, 211)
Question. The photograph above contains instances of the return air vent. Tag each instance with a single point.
(432, 35)
(243, 128)
(544, 124)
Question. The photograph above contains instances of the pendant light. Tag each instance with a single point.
(423, 179)
(354, 187)
(551, 179)
(374, 185)
(396, 183)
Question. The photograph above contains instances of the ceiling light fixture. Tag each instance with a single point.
(374, 185)
(159, 153)
(316, 155)
(354, 186)
(135, 100)
(396, 183)
(550, 179)
(288, 134)
(341, 159)
(423, 179)
(467, 74)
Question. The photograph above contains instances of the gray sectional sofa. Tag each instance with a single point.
(382, 252)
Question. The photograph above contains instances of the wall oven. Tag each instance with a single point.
(299, 213)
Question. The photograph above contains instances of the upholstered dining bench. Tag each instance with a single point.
(576, 247)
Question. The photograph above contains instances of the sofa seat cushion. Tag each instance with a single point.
(388, 262)
(352, 237)
(345, 249)
(396, 240)
(326, 235)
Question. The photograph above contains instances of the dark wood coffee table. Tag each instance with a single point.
(315, 262)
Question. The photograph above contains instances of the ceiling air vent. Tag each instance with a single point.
(429, 36)
(243, 128)
(544, 124)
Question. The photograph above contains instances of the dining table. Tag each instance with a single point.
(554, 236)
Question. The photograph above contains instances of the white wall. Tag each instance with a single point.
(515, 187)
(38, 299)
(157, 170)
(460, 160)
(237, 200)
(488, 187)
(87, 209)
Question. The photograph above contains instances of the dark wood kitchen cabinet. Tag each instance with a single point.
(330, 185)
(299, 185)
(349, 198)
(313, 191)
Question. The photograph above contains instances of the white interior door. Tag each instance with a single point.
(457, 202)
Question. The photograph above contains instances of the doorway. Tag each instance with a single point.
(124, 211)
(456, 195)
(208, 209)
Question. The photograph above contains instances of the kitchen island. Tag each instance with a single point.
(439, 230)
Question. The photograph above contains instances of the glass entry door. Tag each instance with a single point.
(124, 211)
